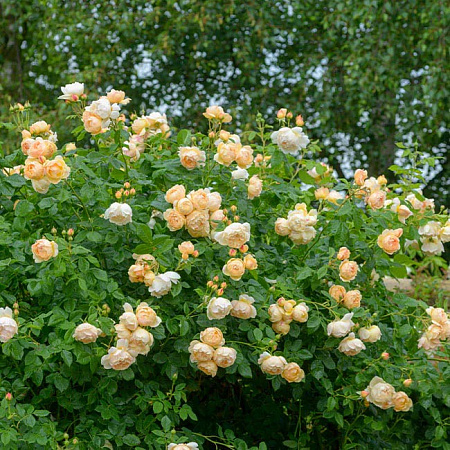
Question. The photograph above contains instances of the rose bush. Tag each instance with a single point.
(174, 289)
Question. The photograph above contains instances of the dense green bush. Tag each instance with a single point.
(58, 392)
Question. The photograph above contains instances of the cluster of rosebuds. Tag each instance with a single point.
(187, 248)
(214, 286)
(126, 191)
(283, 312)
(284, 113)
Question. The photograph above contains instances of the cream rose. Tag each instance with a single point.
(183, 206)
(275, 313)
(250, 262)
(226, 153)
(175, 220)
(41, 186)
(377, 199)
(136, 273)
(200, 352)
(254, 187)
(234, 235)
(43, 250)
(340, 328)
(360, 176)
(214, 201)
(234, 268)
(225, 357)
(8, 326)
(208, 367)
(370, 334)
(337, 292)
(93, 123)
(322, 193)
(119, 213)
(282, 227)
(33, 169)
(140, 342)
(401, 402)
(239, 174)
(351, 345)
(71, 89)
(243, 308)
(162, 284)
(217, 113)
(175, 193)
(191, 157)
(300, 313)
(186, 247)
(146, 316)
(348, 270)
(86, 333)
(352, 299)
(212, 336)
(128, 318)
(380, 393)
(118, 358)
(218, 308)
(282, 327)
(56, 170)
(290, 140)
(244, 156)
(197, 223)
(344, 253)
(199, 198)
(292, 373)
(272, 365)
(389, 240)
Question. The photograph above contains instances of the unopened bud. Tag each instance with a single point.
(8, 396)
(236, 218)
(385, 356)
(16, 305)
(16, 312)
(70, 232)
(118, 194)
(364, 394)
(65, 436)
(216, 279)
(223, 285)
(209, 284)
(54, 230)
(219, 291)
(195, 254)
(407, 382)
(289, 115)
(232, 252)
(126, 193)
(214, 286)
(233, 208)
(74, 97)
(211, 135)
(83, 96)
(132, 191)
(243, 248)
(185, 256)
(299, 121)
(126, 185)
(281, 114)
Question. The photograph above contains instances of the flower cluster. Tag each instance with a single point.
(133, 339)
(351, 345)
(283, 312)
(209, 353)
(438, 331)
(235, 267)
(349, 299)
(230, 149)
(198, 211)
(384, 396)
(277, 365)
(187, 248)
(433, 235)
(299, 225)
(145, 270)
(8, 326)
(372, 189)
(38, 144)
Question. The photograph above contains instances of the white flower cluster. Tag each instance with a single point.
(8, 326)
(219, 307)
(277, 365)
(198, 211)
(283, 312)
(209, 352)
(133, 339)
(433, 235)
(438, 331)
(299, 225)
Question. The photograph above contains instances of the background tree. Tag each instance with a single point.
(365, 74)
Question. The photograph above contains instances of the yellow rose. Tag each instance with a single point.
(360, 176)
(86, 333)
(175, 193)
(191, 157)
(56, 169)
(225, 357)
(217, 113)
(116, 96)
(197, 223)
(118, 358)
(234, 268)
(200, 352)
(292, 373)
(234, 235)
(175, 220)
(216, 217)
(300, 313)
(214, 201)
(254, 187)
(146, 316)
(43, 250)
(401, 402)
(92, 122)
(136, 273)
(344, 253)
(348, 270)
(208, 367)
(250, 262)
(33, 169)
(212, 336)
(282, 227)
(377, 199)
(26, 145)
(199, 198)
(370, 334)
(272, 365)
(184, 206)
(322, 193)
(226, 153)
(389, 240)
(139, 125)
(352, 299)
(186, 247)
(337, 292)
(281, 327)
(40, 127)
(244, 156)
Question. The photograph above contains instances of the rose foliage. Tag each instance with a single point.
(170, 289)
